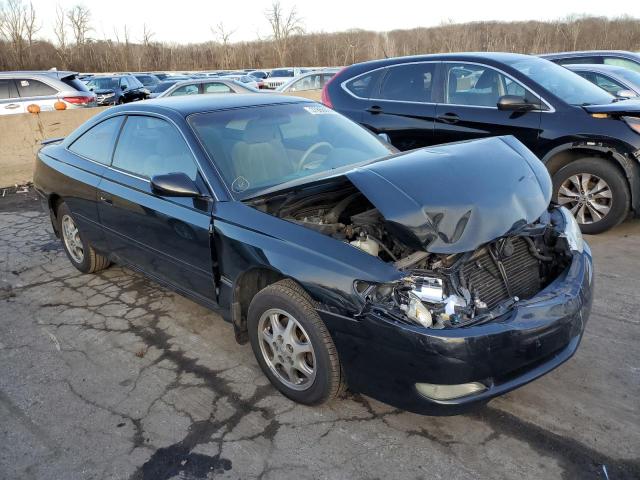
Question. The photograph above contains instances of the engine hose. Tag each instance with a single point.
(384, 247)
(534, 251)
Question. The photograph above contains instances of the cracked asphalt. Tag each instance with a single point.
(113, 376)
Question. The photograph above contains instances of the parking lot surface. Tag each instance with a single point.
(113, 376)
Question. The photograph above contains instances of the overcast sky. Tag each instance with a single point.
(186, 21)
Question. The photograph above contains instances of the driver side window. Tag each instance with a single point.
(479, 85)
(151, 146)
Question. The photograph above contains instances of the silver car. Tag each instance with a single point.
(19, 90)
(205, 85)
(308, 81)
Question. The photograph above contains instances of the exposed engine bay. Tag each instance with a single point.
(439, 290)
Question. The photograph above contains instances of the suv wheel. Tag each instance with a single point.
(292, 344)
(595, 191)
(80, 252)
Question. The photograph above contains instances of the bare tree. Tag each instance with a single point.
(223, 37)
(31, 26)
(283, 26)
(12, 28)
(80, 21)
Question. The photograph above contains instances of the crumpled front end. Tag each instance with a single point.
(447, 368)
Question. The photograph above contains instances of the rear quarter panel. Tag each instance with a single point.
(60, 174)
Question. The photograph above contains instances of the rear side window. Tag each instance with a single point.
(363, 86)
(34, 88)
(97, 143)
(216, 87)
(150, 146)
(409, 83)
(7, 89)
(75, 84)
(576, 60)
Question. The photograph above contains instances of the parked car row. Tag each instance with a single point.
(588, 139)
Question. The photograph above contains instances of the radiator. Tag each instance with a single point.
(522, 271)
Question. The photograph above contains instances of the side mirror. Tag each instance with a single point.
(384, 137)
(174, 185)
(515, 103)
(626, 94)
(123, 87)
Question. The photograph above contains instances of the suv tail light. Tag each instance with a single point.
(79, 100)
(324, 98)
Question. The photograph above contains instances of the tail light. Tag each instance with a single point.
(324, 98)
(79, 100)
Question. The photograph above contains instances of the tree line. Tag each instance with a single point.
(76, 48)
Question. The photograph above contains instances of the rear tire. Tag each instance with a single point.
(79, 251)
(310, 347)
(595, 191)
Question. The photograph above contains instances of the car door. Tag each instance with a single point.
(404, 106)
(469, 109)
(9, 100)
(167, 237)
(127, 92)
(36, 92)
(86, 159)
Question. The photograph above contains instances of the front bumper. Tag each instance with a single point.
(384, 359)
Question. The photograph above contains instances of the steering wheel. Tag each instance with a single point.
(309, 151)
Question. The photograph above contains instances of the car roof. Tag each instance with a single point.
(59, 74)
(595, 67)
(188, 104)
(582, 53)
(462, 57)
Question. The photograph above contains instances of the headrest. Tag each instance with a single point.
(260, 131)
(488, 79)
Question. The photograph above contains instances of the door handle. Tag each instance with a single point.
(105, 198)
(374, 109)
(450, 118)
(12, 105)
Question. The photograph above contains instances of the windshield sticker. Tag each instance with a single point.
(319, 110)
(240, 184)
(24, 83)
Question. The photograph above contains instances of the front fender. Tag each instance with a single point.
(246, 238)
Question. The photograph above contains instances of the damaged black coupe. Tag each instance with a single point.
(432, 280)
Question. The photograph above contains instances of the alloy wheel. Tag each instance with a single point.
(71, 237)
(287, 349)
(587, 196)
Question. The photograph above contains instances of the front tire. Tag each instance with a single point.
(79, 251)
(292, 345)
(595, 191)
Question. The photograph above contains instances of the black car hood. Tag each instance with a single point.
(102, 91)
(630, 106)
(453, 198)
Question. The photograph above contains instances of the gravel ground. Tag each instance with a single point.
(113, 376)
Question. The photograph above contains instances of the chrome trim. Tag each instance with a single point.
(542, 99)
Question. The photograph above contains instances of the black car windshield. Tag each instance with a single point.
(563, 83)
(104, 83)
(261, 147)
(282, 72)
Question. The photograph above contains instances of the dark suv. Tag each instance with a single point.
(117, 89)
(588, 140)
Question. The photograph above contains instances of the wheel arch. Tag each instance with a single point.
(245, 287)
(564, 154)
(53, 201)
